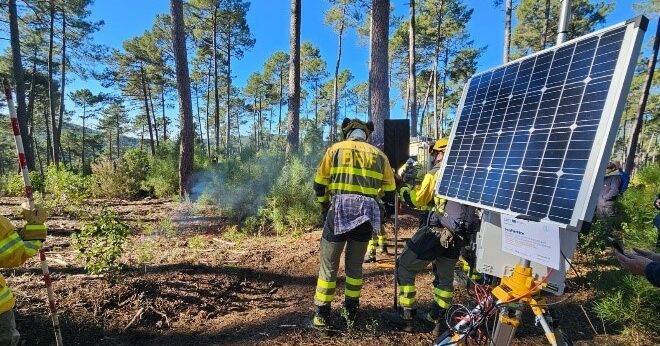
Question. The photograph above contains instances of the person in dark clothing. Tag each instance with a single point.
(641, 262)
(609, 193)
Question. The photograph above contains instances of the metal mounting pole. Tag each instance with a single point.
(564, 21)
(396, 249)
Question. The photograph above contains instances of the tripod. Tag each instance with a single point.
(520, 288)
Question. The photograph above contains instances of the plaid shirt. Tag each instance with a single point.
(352, 210)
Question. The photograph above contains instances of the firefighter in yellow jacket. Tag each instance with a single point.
(16, 247)
(350, 178)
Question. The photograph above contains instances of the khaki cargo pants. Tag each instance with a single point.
(408, 268)
(329, 257)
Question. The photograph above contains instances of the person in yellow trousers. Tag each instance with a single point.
(17, 245)
(350, 178)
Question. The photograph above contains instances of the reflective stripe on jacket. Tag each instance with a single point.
(353, 167)
(14, 251)
(421, 196)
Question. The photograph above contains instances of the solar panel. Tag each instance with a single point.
(531, 137)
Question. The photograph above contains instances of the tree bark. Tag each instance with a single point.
(639, 119)
(19, 78)
(55, 154)
(146, 110)
(279, 101)
(153, 111)
(216, 92)
(60, 122)
(335, 91)
(293, 116)
(228, 134)
(379, 88)
(546, 23)
(162, 103)
(82, 155)
(185, 104)
(208, 102)
(412, 73)
(507, 29)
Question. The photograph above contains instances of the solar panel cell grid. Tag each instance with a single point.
(525, 130)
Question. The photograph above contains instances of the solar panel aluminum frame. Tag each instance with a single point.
(606, 130)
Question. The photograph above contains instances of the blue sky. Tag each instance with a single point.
(269, 23)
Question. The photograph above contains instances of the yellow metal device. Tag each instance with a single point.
(513, 293)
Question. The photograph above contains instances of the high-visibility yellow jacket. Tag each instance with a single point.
(421, 196)
(354, 167)
(14, 251)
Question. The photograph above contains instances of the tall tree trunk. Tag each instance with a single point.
(379, 88)
(639, 119)
(146, 110)
(436, 58)
(412, 73)
(228, 134)
(507, 29)
(162, 103)
(199, 117)
(208, 102)
(293, 116)
(31, 100)
(49, 145)
(186, 133)
(279, 101)
(63, 76)
(153, 111)
(444, 93)
(546, 23)
(335, 90)
(426, 100)
(118, 136)
(82, 148)
(316, 102)
(55, 154)
(19, 78)
(216, 92)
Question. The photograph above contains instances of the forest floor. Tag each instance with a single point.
(190, 279)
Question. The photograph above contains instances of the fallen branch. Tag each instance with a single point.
(162, 314)
(588, 319)
(135, 318)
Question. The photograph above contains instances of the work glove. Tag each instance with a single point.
(445, 237)
(409, 172)
(34, 218)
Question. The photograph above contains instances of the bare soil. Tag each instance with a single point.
(190, 279)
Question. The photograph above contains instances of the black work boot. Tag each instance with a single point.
(436, 317)
(349, 313)
(321, 320)
(404, 319)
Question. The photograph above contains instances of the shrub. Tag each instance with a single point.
(239, 186)
(120, 178)
(15, 186)
(632, 305)
(100, 244)
(162, 179)
(290, 205)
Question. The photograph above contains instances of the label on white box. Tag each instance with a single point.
(534, 241)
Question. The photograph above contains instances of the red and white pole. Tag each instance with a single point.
(22, 164)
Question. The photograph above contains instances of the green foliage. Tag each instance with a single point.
(120, 178)
(12, 185)
(238, 186)
(100, 244)
(65, 190)
(290, 205)
(162, 179)
(632, 305)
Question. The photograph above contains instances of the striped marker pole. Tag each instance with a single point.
(20, 152)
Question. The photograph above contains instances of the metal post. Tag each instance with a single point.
(20, 153)
(564, 21)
